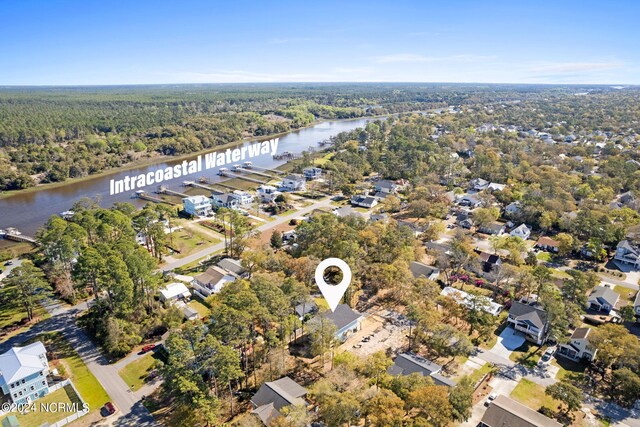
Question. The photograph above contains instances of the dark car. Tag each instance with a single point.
(8, 263)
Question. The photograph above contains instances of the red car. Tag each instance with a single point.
(147, 348)
(110, 408)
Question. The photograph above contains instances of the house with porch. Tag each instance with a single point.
(294, 182)
(226, 200)
(311, 173)
(211, 281)
(531, 320)
(578, 348)
(23, 373)
(267, 193)
(602, 298)
(628, 253)
(197, 205)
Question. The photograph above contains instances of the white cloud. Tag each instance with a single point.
(417, 58)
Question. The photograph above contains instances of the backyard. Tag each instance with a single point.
(136, 373)
(532, 395)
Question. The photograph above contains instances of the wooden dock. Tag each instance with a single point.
(164, 190)
(250, 165)
(252, 172)
(15, 235)
(144, 196)
(225, 172)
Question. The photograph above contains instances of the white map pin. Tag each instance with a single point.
(333, 293)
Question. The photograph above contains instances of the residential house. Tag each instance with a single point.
(602, 298)
(578, 348)
(233, 266)
(174, 291)
(226, 200)
(547, 244)
(346, 319)
(636, 306)
(409, 363)
(531, 320)
(483, 303)
(471, 200)
(506, 412)
(272, 396)
(312, 173)
(267, 193)
(628, 253)
(197, 205)
(364, 201)
(512, 209)
(190, 313)
(521, 231)
(23, 373)
(294, 182)
(243, 197)
(386, 187)
(489, 261)
(479, 184)
(494, 186)
(211, 281)
(384, 217)
(346, 211)
(419, 270)
(306, 308)
(495, 228)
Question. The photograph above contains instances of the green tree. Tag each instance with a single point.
(568, 394)
(27, 286)
(461, 399)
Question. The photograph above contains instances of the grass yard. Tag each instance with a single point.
(202, 309)
(625, 293)
(13, 314)
(478, 374)
(569, 370)
(62, 353)
(189, 241)
(323, 160)
(544, 256)
(321, 303)
(135, 373)
(10, 250)
(528, 354)
(559, 274)
(41, 415)
(532, 395)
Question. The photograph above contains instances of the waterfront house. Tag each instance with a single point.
(294, 182)
(521, 231)
(531, 320)
(23, 373)
(211, 281)
(578, 348)
(602, 298)
(267, 193)
(272, 396)
(197, 205)
(503, 412)
(364, 201)
(311, 173)
(226, 200)
(628, 253)
(174, 291)
(243, 197)
(410, 363)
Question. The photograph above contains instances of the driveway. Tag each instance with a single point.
(508, 341)
(6, 269)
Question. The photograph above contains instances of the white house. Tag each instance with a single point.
(578, 348)
(512, 208)
(521, 231)
(174, 291)
(243, 197)
(364, 201)
(267, 193)
(23, 373)
(312, 173)
(479, 302)
(628, 253)
(386, 186)
(294, 182)
(346, 320)
(479, 184)
(211, 281)
(197, 205)
(226, 200)
(532, 321)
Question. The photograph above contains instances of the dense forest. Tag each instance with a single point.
(52, 134)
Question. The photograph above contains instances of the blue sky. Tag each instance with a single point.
(54, 42)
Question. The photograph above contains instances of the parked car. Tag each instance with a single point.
(490, 399)
(547, 354)
(110, 408)
(147, 348)
(8, 263)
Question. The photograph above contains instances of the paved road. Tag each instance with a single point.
(6, 269)
(281, 219)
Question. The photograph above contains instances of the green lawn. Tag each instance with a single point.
(544, 256)
(569, 370)
(202, 309)
(528, 354)
(626, 294)
(560, 274)
(41, 415)
(135, 373)
(532, 395)
(189, 241)
(477, 375)
(87, 385)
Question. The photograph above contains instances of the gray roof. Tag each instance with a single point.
(266, 413)
(419, 269)
(605, 294)
(343, 316)
(409, 363)
(306, 308)
(528, 313)
(636, 302)
(505, 412)
(385, 183)
(232, 265)
(280, 393)
(345, 211)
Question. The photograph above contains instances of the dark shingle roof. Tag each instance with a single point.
(507, 412)
(604, 293)
(525, 312)
(343, 316)
(280, 393)
(419, 269)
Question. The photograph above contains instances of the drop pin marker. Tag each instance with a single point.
(333, 293)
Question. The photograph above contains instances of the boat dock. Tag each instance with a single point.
(238, 168)
(225, 172)
(202, 184)
(250, 165)
(15, 235)
(141, 194)
(164, 190)
(286, 156)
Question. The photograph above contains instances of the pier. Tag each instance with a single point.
(250, 165)
(15, 235)
(202, 184)
(225, 172)
(286, 156)
(141, 194)
(164, 190)
(238, 168)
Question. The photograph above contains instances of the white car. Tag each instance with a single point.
(546, 357)
(490, 399)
